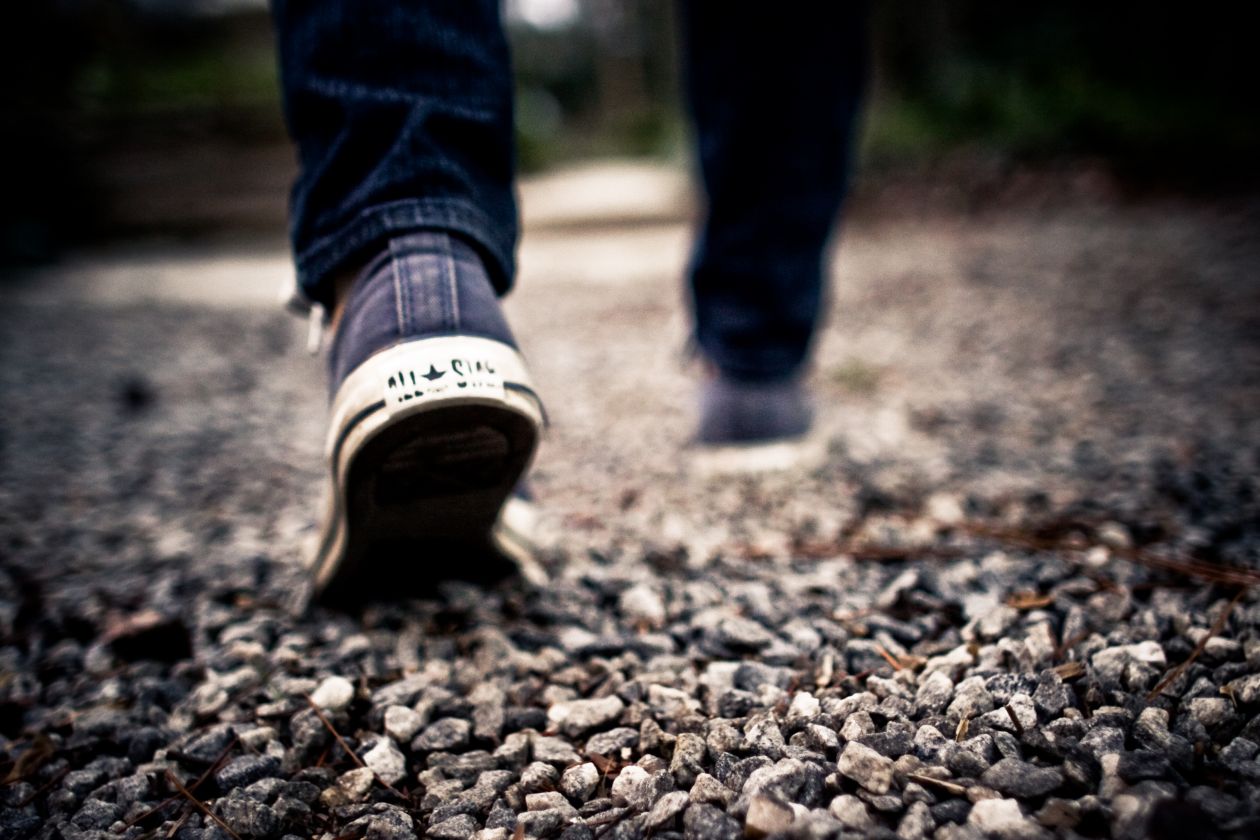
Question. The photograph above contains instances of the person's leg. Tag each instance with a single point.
(402, 114)
(773, 92)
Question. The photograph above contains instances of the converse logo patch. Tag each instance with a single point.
(443, 377)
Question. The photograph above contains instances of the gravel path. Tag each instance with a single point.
(1039, 497)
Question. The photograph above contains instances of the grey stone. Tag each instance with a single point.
(934, 692)
(456, 828)
(333, 694)
(402, 723)
(247, 817)
(445, 734)
(666, 809)
(612, 742)
(246, 770)
(539, 776)
(917, 823)
(767, 816)
(554, 750)
(576, 717)
(578, 783)
(1002, 818)
(386, 761)
(868, 768)
(709, 790)
(1020, 779)
(705, 822)
(851, 812)
(688, 759)
(1140, 765)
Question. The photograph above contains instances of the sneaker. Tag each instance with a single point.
(434, 421)
(752, 426)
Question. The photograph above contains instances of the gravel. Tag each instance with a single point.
(942, 628)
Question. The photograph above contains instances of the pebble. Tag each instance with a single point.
(1022, 780)
(579, 782)
(334, 694)
(865, 766)
(444, 734)
(768, 816)
(402, 723)
(386, 761)
(577, 717)
(1002, 818)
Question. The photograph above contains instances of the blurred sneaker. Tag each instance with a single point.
(434, 421)
(753, 426)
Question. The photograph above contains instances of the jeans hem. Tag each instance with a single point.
(369, 232)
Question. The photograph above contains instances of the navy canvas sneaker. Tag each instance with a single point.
(751, 426)
(737, 412)
(433, 422)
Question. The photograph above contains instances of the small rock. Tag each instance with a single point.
(1111, 663)
(709, 790)
(917, 823)
(402, 723)
(386, 761)
(623, 787)
(803, 704)
(546, 800)
(456, 828)
(851, 812)
(767, 816)
(445, 734)
(934, 693)
(868, 768)
(246, 770)
(576, 717)
(612, 742)
(538, 776)
(1020, 779)
(1246, 689)
(1002, 818)
(643, 603)
(554, 751)
(688, 760)
(666, 809)
(579, 783)
(334, 694)
(705, 822)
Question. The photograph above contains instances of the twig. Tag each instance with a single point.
(346, 749)
(1010, 713)
(337, 735)
(199, 805)
(215, 765)
(1217, 627)
(892, 660)
(952, 787)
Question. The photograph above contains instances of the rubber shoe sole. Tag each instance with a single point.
(427, 442)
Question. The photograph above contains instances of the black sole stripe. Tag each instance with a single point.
(367, 412)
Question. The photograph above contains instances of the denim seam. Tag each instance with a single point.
(469, 106)
(330, 251)
(450, 281)
(402, 294)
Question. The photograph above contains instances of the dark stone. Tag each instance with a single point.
(705, 822)
(246, 770)
(1140, 765)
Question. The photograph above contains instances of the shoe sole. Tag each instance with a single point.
(428, 440)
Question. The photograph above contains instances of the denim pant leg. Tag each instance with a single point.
(402, 114)
(773, 91)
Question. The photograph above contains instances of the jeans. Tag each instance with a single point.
(402, 115)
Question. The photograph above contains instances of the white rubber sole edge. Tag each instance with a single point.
(404, 380)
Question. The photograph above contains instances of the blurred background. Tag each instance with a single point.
(140, 119)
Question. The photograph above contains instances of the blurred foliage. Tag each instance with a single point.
(1160, 93)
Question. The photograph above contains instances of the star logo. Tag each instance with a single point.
(433, 374)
